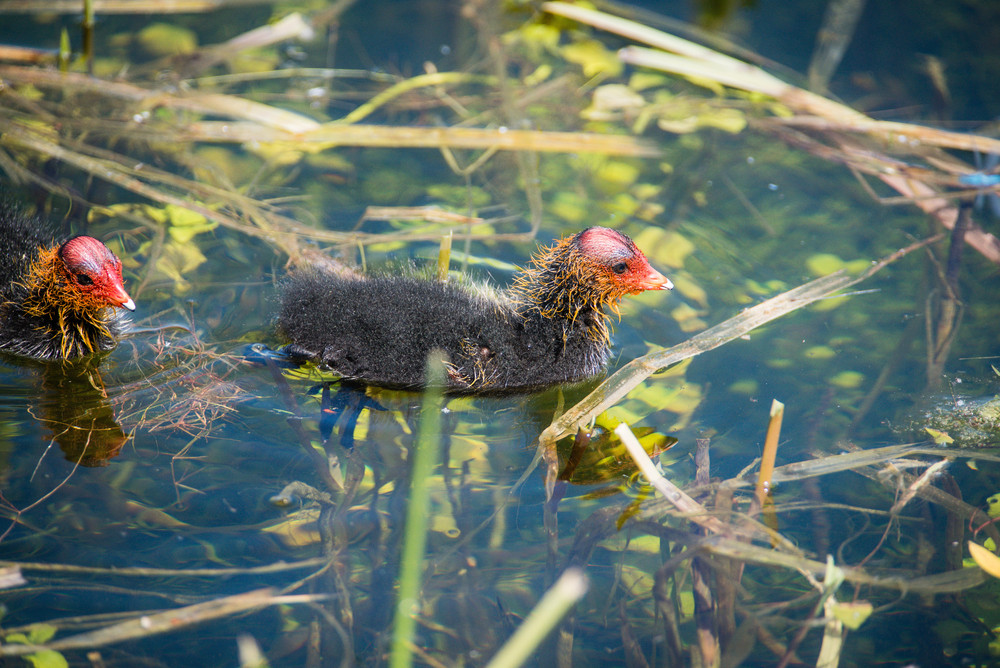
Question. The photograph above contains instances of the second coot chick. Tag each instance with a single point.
(57, 301)
(549, 327)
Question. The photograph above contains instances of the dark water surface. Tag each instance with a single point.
(184, 452)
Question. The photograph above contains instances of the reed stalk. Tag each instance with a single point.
(557, 601)
(425, 455)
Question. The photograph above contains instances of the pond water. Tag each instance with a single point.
(189, 498)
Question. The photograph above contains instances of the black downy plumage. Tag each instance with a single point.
(549, 327)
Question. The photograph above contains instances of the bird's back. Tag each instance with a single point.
(20, 239)
(380, 329)
(549, 327)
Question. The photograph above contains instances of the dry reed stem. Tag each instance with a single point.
(674, 494)
(691, 59)
(24, 54)
(162, 622)
(256, 122)
(334, 134)
(142, 572)
(763, 489)
(939, 583)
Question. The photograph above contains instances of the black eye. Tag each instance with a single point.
(83, 279)
(619, 268)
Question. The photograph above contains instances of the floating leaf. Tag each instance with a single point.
(599, 456)
(642, 80)
(940, 437)
(541, 73)
(993, 505)
(852, 614)
(185, 224)
(615, 175)
(462, 195)
(611, 100)
(623, 205)
(569, 206)
(822, 264)
(681, 398)
(985, 559)
(685, 285)
(747, 386)
(297, 529)
(593, 57)
(682, 115)
(666, 247)
(848, 379)
(687, 318)
(820, 352)
(41, 633)
(165, 39)
(179, 259)
(857, 266)
(828, 304)
(38, 635)
(47, 658)
(537, 38)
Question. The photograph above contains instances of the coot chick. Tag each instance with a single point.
(57, 301)
(549, 327)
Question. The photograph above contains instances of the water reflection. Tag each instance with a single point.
(74, 405)
(71, 402)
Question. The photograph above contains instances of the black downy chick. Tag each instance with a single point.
(549, 327)
(58, 301)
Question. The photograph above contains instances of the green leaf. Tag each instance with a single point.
(47, 658)
(940, 437)
(593, 57)
(852, 614)
(993, 505)
(41, 633)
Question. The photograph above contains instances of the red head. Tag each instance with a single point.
(621, 266)
(94, 273)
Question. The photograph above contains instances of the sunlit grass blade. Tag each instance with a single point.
(557, 601)
(425, 455)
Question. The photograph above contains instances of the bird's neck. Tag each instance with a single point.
(81, 320)
(558, 285)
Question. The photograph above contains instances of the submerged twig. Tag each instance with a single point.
(170, 620)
